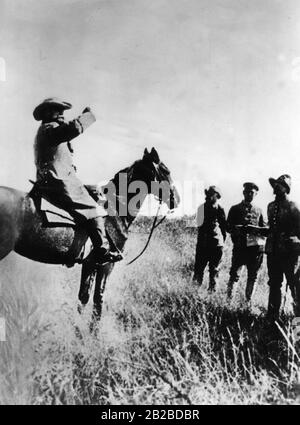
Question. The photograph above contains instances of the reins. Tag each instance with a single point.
(155, 224)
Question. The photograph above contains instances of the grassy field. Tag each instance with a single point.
(162, 339)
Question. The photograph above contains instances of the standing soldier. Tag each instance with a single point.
(283, 246)
(244, 223)
(211, 223)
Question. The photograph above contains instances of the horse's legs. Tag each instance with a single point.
(101, 279)
(86, 282)
(98, 294)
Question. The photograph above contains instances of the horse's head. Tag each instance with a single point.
(158, 178)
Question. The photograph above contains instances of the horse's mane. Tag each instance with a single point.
(116, 176)
(125, 170)
(115, 182)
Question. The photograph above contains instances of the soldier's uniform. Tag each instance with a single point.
(210, 242)
(247, 249)
(283, 253)
(56, 174)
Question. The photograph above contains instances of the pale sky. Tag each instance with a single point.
(214, 85)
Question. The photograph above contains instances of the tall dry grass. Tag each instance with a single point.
(162, 339)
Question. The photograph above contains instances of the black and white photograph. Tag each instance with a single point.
(149, 205)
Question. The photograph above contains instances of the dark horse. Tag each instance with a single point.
(24, 231)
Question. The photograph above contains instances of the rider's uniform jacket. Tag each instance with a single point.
(56, 173)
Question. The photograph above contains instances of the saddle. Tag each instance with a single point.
(56, 216)
(53, 217)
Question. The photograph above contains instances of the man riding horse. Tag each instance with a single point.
(56, 175)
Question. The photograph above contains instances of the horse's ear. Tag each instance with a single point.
(146, 153)
(154, 155)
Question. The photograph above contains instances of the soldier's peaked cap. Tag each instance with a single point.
(285, 180)
(213, 189)
(250, 186)
(50, 103)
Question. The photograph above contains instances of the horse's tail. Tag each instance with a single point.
(11, 215)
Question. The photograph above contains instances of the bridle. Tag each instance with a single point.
(155, 224)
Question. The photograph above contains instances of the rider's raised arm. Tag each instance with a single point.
(59, 133)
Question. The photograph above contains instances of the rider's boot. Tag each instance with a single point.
(101, 252)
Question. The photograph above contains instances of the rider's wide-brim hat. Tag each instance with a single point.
(284, 180)
(51, 102)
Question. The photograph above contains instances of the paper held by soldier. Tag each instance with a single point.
(253, 236)
(251, 227)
